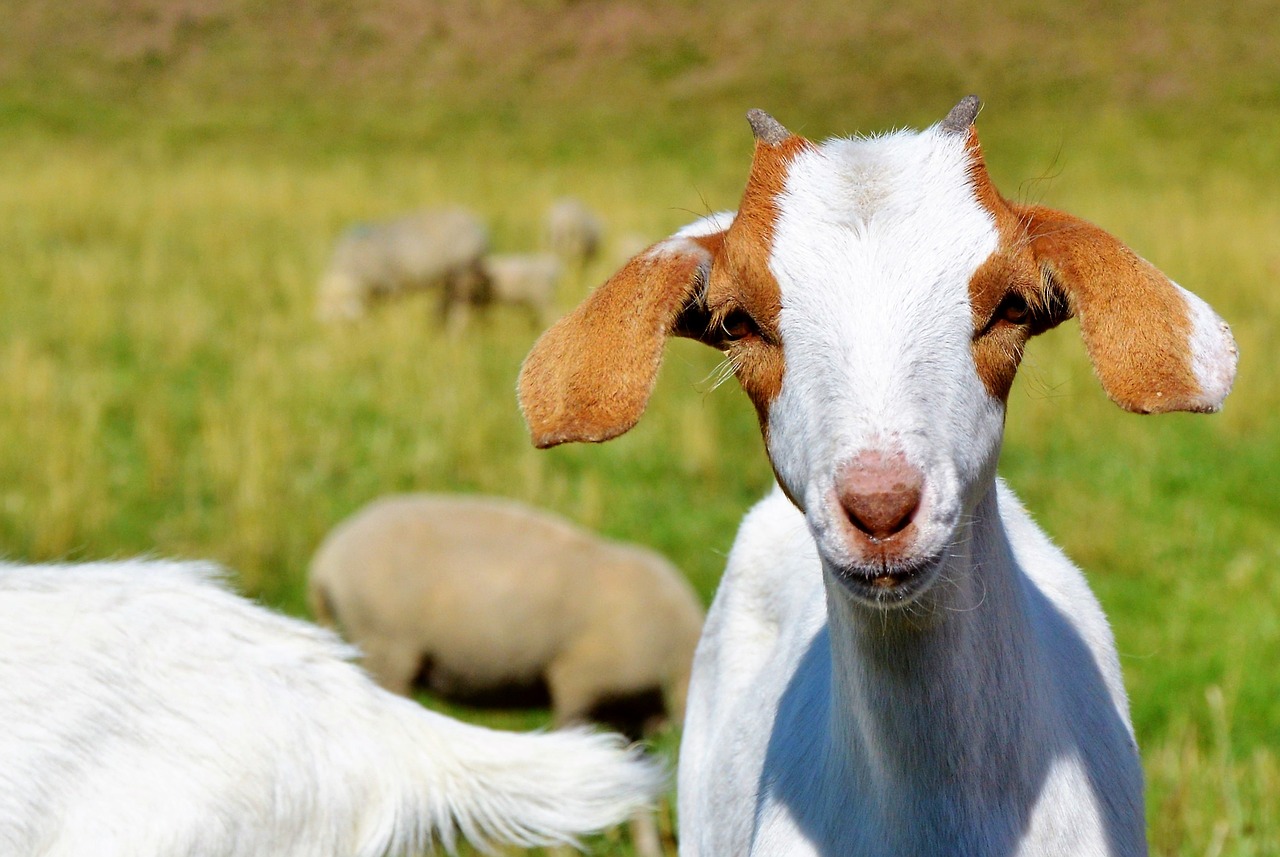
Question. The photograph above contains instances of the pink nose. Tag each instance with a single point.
(880, 493)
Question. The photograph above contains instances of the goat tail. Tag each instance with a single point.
(526, 789)
(432, 778)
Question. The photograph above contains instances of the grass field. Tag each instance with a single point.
(172, 177)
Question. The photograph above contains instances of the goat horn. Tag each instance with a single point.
(962, 115)
(767, 129)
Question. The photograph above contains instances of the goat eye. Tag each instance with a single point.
(1013, 309)
(738, 325)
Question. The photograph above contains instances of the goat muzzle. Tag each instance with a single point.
(880, 494)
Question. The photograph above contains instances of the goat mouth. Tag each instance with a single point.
(888, 584)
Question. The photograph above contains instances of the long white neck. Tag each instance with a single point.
(936, 705)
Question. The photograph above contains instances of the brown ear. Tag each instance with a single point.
(589, 377)
(1155, 346)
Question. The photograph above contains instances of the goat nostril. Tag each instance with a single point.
(879, 494)
(882, 515)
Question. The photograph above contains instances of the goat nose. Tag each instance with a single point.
(880, 493)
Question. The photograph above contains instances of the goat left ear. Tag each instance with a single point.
(1155, 346)
(589, 377)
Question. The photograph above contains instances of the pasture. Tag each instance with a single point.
(171, 184)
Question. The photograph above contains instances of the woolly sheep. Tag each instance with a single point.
(525, 279)
(475, 595)
(432, 250)
(149, 712)
(574, 231)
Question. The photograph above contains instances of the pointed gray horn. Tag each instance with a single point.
(766, 128)
(962, 115)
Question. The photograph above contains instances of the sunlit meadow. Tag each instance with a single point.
(165, 387)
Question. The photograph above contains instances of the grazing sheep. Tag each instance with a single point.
(433, 250)
(525, 279)
(574, 231)
(898, 661)
(150, 712)
(478, 596)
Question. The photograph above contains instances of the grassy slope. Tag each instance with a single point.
(173, 174)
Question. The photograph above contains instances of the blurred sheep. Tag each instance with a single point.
(574, 231)
(476, 597)
(431, 250)
(525, 279)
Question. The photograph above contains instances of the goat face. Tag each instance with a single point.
(873, 297)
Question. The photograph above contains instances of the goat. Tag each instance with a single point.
(149, 711)
(897, 660)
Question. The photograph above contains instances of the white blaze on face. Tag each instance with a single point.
(874, 248)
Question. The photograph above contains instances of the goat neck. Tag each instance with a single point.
(925, 698)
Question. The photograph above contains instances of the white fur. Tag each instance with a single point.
(875, 324)
(992, 722)
(710, 224)
(148, 711)
(980, 713)
(682, 243)
(1213, 351)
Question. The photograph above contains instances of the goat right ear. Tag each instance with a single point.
(589, 377)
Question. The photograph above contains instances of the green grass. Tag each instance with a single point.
(171, 181)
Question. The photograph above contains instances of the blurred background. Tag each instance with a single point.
(174, 175)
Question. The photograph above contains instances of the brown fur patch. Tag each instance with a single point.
(589, 377)
(741, 278)
(997, 347)
(1135, 324)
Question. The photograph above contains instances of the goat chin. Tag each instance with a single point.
(886, 585)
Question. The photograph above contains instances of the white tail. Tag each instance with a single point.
(149, 711)
(525, 789)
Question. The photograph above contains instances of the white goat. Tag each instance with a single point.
(898, 662)
(148, 712)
